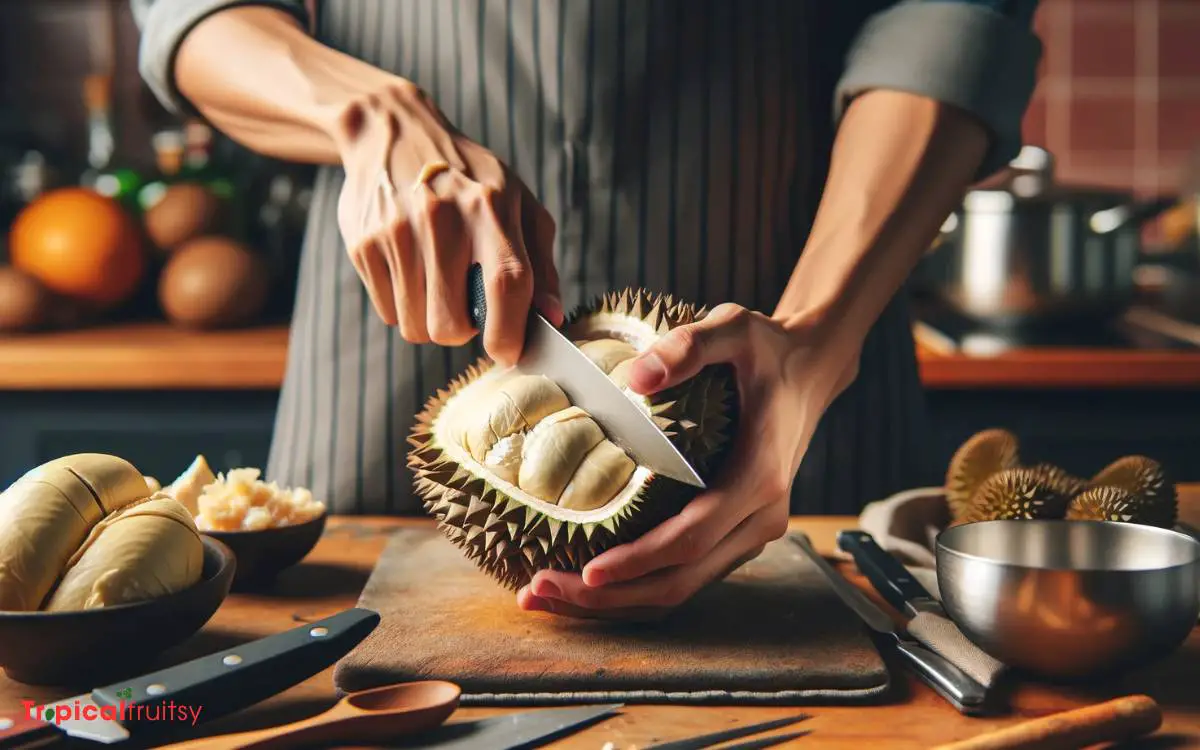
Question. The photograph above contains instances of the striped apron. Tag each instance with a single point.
(679, 144)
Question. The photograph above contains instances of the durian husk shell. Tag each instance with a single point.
(510, 541)
(145, 550)
(43, 521)
(981, 456)
(1156, 501)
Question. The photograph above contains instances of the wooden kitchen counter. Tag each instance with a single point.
(331, 577)
(152, 356)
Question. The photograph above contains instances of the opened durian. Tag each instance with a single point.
(188, 486)
(522, 480)
(48, 513)
(1016, 494)
(981, 456)
(145, 550)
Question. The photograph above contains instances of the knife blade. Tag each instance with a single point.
(508, 731)
(891, 579)
(548, 352)
(197, 690)
(950, 682)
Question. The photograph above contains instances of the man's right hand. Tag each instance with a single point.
(413, 229)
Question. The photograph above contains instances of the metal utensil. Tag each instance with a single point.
(950, 682)
(928, 621)
(508, 731)
(1070, 599)
(893, 582)
(1029, 250)
(714, 738)
(548, 352)
(203, 688)
(367, 716)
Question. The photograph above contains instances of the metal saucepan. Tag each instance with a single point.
(1025, 249)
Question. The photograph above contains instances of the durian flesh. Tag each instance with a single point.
(145, 550)
(48, 513)
(523, 480)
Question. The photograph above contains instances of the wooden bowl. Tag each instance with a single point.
(263, 554)
(93, 647)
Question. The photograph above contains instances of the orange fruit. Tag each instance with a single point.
(80, 244)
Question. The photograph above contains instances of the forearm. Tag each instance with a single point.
(262, 80)
(900, 165)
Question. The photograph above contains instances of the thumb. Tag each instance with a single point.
(683, 352)
(539, 225)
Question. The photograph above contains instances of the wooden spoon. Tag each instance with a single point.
(1112, 721)
(365, 717)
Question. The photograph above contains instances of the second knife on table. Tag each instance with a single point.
(950, 682)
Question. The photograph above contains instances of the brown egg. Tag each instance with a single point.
(213, 282)
(25, 304)
(185, 211)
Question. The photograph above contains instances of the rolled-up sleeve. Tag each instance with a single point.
(980, 56)
(164, 24)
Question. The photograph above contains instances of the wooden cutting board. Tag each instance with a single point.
(773, 632)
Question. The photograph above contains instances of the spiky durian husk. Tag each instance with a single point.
(1059, 479)
(511, 541)
(1016, 494)
(981, 456)
(1146, 480)
(1109, 504)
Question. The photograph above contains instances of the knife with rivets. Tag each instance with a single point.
(194, 691)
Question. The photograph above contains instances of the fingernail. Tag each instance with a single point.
(650, 370)
(547, 589)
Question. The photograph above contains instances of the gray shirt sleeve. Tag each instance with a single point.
(164, 24)
(962, 53)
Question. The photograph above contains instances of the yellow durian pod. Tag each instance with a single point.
(114, 481)
(149, 549)
(43, 521)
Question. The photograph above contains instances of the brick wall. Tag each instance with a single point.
(1118, 102)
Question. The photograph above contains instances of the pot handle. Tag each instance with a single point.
(1110, 220)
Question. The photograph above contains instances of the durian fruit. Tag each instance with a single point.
(1059, 479)
(188, 486)
(522, 480)
(981, 456)
(148, 549)
(1016, 494)
(47, 514)
(1147, 481)
(1110, 504)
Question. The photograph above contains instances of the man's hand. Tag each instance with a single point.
(786, 380)
(420, 204)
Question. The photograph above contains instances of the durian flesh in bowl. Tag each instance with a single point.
(1067, 599)
(523, 480)
(86, 531)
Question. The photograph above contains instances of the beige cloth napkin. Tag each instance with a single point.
(907, 524)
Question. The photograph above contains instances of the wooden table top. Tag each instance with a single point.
(331, 577)
(157, 356)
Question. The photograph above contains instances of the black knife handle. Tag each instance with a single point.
(893, 582)
(239, 677)
(476, 300)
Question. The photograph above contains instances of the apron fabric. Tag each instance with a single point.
(680, 146)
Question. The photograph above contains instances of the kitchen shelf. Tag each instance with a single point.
(156, 356)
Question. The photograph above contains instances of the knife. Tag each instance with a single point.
(194, 691)
(527, 729)
(891, 579)
(548, 352)
(950, 682)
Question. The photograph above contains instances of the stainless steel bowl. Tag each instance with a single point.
(1070, 599)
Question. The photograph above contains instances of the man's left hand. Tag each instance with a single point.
(786, 379)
